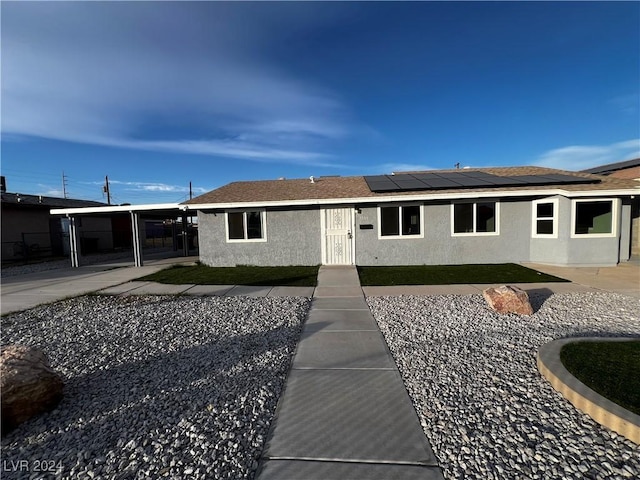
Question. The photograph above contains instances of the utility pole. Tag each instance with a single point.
(105, 189)
(64, 185)
(190, 192)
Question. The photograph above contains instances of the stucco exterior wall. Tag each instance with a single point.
(293, 238)
(553, 251)
(585, 250)
(439, 247)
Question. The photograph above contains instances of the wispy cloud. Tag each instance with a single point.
(111, 74)
(387, 168)
(49, 191)
(629, 104)
(150, 187)
(580, 157)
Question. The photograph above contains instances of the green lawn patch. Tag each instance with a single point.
(241, 275)
(452, 274)
(610, 368)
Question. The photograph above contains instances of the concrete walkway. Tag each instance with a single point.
(154, 288)
(345, 412)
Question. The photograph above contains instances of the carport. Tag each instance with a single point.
(136, 214)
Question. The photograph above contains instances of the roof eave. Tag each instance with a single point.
(418, 197)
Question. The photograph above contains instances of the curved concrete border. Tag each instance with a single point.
(602, 410)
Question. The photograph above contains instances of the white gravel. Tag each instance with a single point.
(487, 412)
(156, 387)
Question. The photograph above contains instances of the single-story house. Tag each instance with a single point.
(629, 169)
(29, 231)
(464, 216)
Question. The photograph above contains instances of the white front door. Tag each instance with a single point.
(337, 236)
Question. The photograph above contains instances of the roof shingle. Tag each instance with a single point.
(325, 188)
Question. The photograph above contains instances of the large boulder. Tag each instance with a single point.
(28, 385)
(508, 299)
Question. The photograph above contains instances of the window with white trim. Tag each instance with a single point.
(594, 218)
(247, 226)
(477, 218)
(400, 221)
(545, 218)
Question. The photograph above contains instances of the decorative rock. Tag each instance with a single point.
(28, 385)
(508, 299)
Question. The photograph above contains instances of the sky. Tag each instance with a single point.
(155, 95)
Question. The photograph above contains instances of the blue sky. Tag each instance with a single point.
(158, 94)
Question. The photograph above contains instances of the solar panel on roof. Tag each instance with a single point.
(504, 181)
(424, 176)
(440, 183)
(376, 178)
(527, 179)
(464, 179)
(383, 186)
(476, 174)
(560, 177)
(412, 184)
(476, 181)
(470, 182)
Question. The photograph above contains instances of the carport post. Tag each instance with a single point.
(73, 243)
(135, 231)
(185, 236)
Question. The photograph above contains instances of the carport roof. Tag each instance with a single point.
(158, 208)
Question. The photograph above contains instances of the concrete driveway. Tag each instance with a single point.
(624, 278)
(21, 292)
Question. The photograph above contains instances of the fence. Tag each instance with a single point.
(36, 247)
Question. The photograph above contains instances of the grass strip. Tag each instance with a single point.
(294, 276)
(610, 368)
(452, 274)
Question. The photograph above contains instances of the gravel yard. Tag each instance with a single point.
(156, 387)
(485, 409)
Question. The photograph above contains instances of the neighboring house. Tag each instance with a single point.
(630, 170)
(29, 231)
(492, 215)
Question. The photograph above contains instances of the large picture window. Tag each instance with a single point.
(545, 219)
(400, 221)
(593, 218)
(478, 218)
(246, 226)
